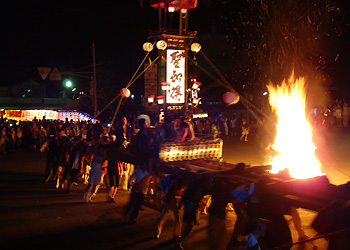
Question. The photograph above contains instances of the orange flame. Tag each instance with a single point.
(293, 147)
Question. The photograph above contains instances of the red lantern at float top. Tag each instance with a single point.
(165, 86)
(150, 99)
(160, 99)
(196, 85)
(231, 97)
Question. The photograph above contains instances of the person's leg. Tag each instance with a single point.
(187, 230)
(58, 176)
(161, 220)
(48, 169)
(177, 222)
(86, 196)
(241, 221)
(97, 187)
(130, 204)
(136, 208)
(217, 233)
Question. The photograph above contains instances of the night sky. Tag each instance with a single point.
(59, 33)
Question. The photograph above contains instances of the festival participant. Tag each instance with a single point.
(74, 165)
(245, 130)
(114, 168)
(182, 132)
(98, 161)
(217, 214)
(249, 241)
(264, 203)
(61, 155)
(241, 194)
(19, 137)
(191, 199)
(338, 116)
(139, 181)
(51, 158)
(42, 136)
(170, 185)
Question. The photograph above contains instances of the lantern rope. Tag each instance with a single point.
(245, 102)
(107, 105)
(115, 113)
(226, 83)
(128, 85)
(132, 80)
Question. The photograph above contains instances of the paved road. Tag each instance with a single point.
(36, 215)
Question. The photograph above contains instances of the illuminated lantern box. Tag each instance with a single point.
(191, 150)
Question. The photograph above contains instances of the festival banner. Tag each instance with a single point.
(175, 76)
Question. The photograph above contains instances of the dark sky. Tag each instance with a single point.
(59, 33)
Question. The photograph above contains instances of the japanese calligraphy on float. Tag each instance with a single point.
(175, 76)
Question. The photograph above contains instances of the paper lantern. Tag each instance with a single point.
(160, 99)
(124, 92)
(161, 45)
(196, 85)
(165, 85)
(150, 99)
(195, 47)
(231, 97)
(148, 47)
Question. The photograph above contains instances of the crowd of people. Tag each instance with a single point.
(92, 152)
(333, 115)
(83, 151)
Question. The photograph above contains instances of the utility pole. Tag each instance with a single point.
(94, 101)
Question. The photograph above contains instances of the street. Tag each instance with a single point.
(36, 215)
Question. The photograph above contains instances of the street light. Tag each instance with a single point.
(68, 83)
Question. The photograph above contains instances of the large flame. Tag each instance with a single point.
(293, 147)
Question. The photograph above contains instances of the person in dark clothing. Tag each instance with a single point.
(170, 185)
(139, 181)
(114, 168)
(264, 203)
(74, 165)
(221, 196)
(51, 158)
(61, 155)
(191, 199)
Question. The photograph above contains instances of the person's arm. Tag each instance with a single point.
(132, 177)
(251, 189)
(241, 195)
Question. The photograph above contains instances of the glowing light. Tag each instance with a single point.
(196, 85)
(171, 9)
(150, 99)
(68, 84)
(293, 147)
(160, 99)
(161, 45)
(181, 151)
(124, 92)
(195, 47)
(148, 47)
